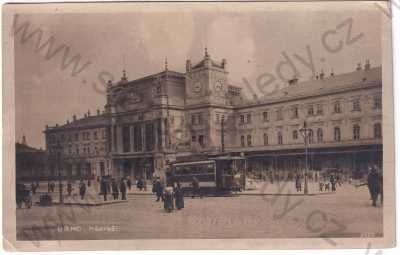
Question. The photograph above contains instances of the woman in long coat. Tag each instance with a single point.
(169, 199)
(178, 193)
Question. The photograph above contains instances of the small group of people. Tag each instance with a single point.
(331, 185)
(172, 196)
(114, 187)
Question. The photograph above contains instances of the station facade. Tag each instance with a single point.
(151, 121)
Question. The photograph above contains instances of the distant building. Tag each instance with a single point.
(152, 120)
(30, 163)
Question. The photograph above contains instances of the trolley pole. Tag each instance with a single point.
(305, 132)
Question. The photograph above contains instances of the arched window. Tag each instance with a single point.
(320, 135)
(295, 134)
(356, 132)
(311, 136)
(337, 134)
(265, 137)
(280, 139)
(248, 140)
(377, 130)
(242, 141)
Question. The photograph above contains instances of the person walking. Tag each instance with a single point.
(298, 183)
(139, 184)
(129, 183)
(169, 199)
(82, 189)
(33, 188)
(179, 200)
(332, 180)
(122, 188)
(373, 181)
(114, 187)
(103, 188)
(196, 187)
(159, 189)
(69, 188)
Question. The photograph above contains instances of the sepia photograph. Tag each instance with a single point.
(262, 125)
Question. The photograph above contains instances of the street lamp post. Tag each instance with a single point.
(305, 132)
(58, 159)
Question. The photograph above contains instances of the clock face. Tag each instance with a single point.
(219, 85)
(197, 87)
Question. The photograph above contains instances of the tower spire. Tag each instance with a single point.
(166, 64)
(206, 52)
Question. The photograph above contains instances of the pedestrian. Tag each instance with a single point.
(33, 188)
(103, 188)
(48, 187)
(122, 188)
(82, 189)
(196, 188)
(332, 180)
(69, 188)
(178, 193)
(139, 184)
(373, 182)
(159, 189)
(129, 183)
(298, 183)
(169, 199)
(53, 185)
(115, 190)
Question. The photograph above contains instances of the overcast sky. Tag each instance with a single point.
(251, 41)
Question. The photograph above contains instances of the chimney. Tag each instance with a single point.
(188, 65)
(67, 121)
(358, 67)
(47, 127)
(85, 115)
(224, 63)
(74, 117)
(293, 81)
(332, 73)
(98, 112)
(88, 113)
(367, 65)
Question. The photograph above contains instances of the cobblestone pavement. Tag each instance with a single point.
(346, 213)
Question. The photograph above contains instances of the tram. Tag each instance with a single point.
(216, 175)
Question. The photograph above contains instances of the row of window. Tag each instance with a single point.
(86, 136)
(312, 110)
(247, 140)
(198, 139)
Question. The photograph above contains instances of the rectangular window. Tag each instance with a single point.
(217, 118)
(265, 117)
(193, 119)
(356, 105)
(295, 112)
(95, 135)
(242, 141)
(377, 104)
(336, 107)
(249, 118)
(279, 115)
(320, 110)
(149, 130)
(241, 119)
(137, 138)
(201, 140)
(193, 138)
(248, 140)
(200, 119)
(310, 110)
(126, 139)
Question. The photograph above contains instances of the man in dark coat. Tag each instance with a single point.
(82, 189)
(139, 184)
(374, 184)
(69, 188)
(159, 189)
(115, 191)
(298, 183)
(122, 188)
(103, 188)
(332, 180)
(178, 193)
(129, 183)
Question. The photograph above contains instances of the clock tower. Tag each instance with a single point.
(206, 82)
